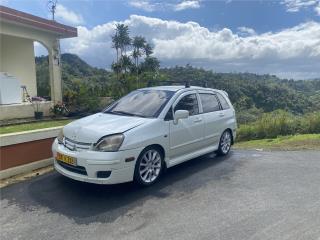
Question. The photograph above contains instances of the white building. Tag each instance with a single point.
(18, 32)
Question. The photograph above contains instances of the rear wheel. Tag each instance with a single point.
(149, 166)
(225, 143)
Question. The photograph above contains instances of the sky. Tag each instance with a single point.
(275, 37)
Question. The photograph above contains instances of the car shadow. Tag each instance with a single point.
(86, 203)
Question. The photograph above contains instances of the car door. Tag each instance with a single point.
(213, 117)
(186, 135)
(226, 114)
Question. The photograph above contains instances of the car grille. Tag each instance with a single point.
(76, 146)
(75, 169)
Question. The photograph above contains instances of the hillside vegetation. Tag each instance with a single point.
(251, 94)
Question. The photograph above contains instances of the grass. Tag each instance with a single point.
(285, 143)
(279, 123)
(33, 126)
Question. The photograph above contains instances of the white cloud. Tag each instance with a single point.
(286, 52)
(244, 31)
(4, 2)
(143, 4)
(317, 9)
(151, 6)
(39, 49)
(187, 4)
(67, 16)
(297, 5)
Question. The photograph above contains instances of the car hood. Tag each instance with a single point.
(90, 129)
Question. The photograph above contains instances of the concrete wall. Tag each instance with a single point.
(24, 110)
(17, 58)
(18, 149)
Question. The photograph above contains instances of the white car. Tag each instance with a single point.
(146, 131)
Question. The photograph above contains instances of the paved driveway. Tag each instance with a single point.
(247, 195)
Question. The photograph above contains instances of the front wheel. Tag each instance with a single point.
(225, 143)
(148, 167)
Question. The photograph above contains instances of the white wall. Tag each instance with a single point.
(25, 110)
(50, 41)
(17, 58)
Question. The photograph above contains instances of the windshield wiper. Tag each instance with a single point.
(126, 113)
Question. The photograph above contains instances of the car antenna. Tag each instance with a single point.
(187, 84)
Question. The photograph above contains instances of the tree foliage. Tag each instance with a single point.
(250, 93)
(126, 65)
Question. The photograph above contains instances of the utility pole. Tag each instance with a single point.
(52, 4)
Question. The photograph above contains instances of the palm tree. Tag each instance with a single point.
(125, 63)
(148, 49)
(138, 44)
(124, 38)
(116, 45)
(120, 41)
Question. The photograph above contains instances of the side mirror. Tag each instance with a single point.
(180, 114)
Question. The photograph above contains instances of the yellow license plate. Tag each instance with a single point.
(66, 159)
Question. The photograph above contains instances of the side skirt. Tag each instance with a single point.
(174, 161)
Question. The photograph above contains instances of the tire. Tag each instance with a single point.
(224, 143)
(149, 166)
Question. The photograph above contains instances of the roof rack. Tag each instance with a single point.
(186, 83)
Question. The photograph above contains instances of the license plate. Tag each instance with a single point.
(66, 159)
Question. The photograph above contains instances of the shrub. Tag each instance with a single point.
(82, 98)
(248, 115)
(59, 109)
(279, 123)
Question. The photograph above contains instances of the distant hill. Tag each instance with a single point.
(73, 68)
(246, 90)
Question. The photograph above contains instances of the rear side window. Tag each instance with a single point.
(209, 102)
(223, 101)
(189, 103)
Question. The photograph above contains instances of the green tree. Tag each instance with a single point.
(138, 44)
(148, 49)
(121, 41)
(151, 64)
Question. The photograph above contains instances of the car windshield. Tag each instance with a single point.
(141, 103)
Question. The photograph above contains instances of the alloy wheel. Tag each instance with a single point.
(150, 166)
(226, 142)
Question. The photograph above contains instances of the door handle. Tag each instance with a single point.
(221, 114)
(197, 120)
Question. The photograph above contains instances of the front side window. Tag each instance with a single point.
(223, 101)
(209, 102)
(141, 103)
(189, 103)
(169, 115)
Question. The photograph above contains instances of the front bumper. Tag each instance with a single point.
(93, 162)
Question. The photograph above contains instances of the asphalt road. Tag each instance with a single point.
(247, 195)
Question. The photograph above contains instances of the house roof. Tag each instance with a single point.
(18, 17)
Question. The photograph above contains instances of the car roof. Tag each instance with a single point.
(177, 88)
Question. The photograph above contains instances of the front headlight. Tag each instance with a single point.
(60, 137)
(110, 143)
